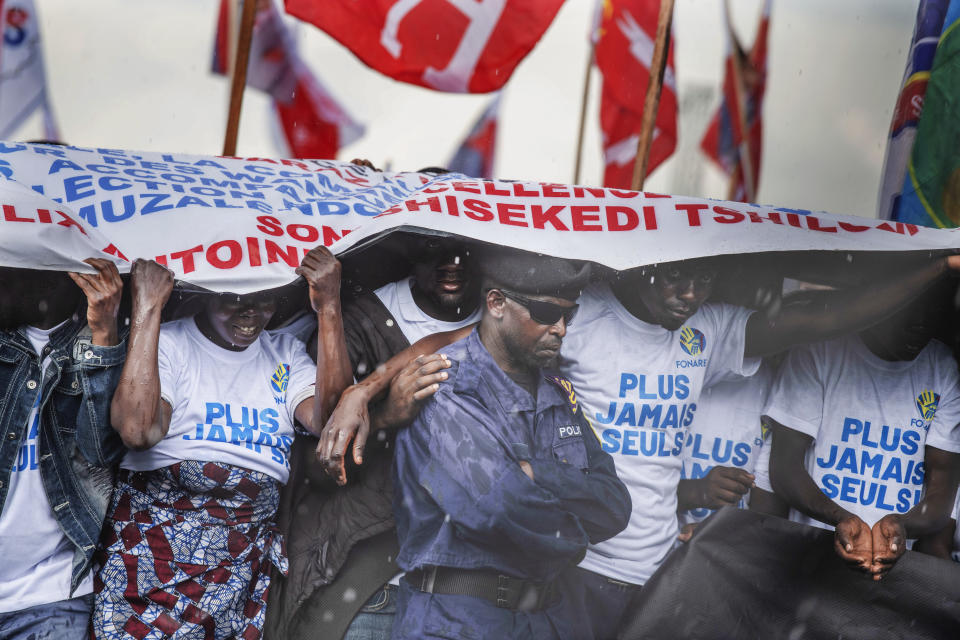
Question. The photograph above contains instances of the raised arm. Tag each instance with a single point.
(137, 412)
(322, 273)
(828, 314)
(96, 439)
(853, 539)
(405, 381)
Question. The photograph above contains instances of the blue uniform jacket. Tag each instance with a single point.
(77, 445)
(461, 498)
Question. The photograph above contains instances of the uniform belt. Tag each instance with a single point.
(504, 591)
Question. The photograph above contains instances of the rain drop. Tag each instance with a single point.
(349, 595)
(446, 518)
(456, 259)
(328, 616)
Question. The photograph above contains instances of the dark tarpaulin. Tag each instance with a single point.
(746, 575)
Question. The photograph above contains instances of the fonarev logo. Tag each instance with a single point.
(692, 341)
(927, 403)
(281, 376)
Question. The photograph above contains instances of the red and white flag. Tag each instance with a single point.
(475, 156)
(311, 122)
(624, 51)
(741, 107)
(23, 84)
(461, 46)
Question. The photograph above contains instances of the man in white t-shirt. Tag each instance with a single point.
(642, 351)
(59, 365)
(866, 436)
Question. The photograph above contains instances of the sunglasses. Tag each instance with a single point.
(543, 312)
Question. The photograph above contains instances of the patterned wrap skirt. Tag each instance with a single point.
(186, 553)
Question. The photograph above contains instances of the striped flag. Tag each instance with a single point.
(734, 137)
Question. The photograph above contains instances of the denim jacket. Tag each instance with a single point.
(78, 447)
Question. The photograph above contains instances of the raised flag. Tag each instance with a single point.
(624, 50)
(741, 107)
(23, 84)
(475, 155)
(311, 122)
(461, 46)
(909, 105)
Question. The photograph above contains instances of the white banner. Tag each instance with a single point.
(242, 225)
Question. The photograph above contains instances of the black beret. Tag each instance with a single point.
(534, 273)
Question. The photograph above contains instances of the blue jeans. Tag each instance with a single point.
(62, 620)
(375, 620)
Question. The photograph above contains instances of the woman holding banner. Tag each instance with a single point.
(207, 406)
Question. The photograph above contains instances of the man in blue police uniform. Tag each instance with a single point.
(500, 483)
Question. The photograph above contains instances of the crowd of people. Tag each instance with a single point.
(497, 445)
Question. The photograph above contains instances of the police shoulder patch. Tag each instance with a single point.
(567, 387)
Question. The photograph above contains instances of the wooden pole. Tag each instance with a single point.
(583, 114)
(239, 77)
(744, 161)
(651, 102)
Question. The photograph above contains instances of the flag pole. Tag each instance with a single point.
(651, 102)
(744, 161)
(239, 77)
(583, 113)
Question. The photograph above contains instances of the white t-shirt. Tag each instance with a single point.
(726, 431)
(412, 321)
(869, 419)
(37, 557)
(235, 407)
(641, 384)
